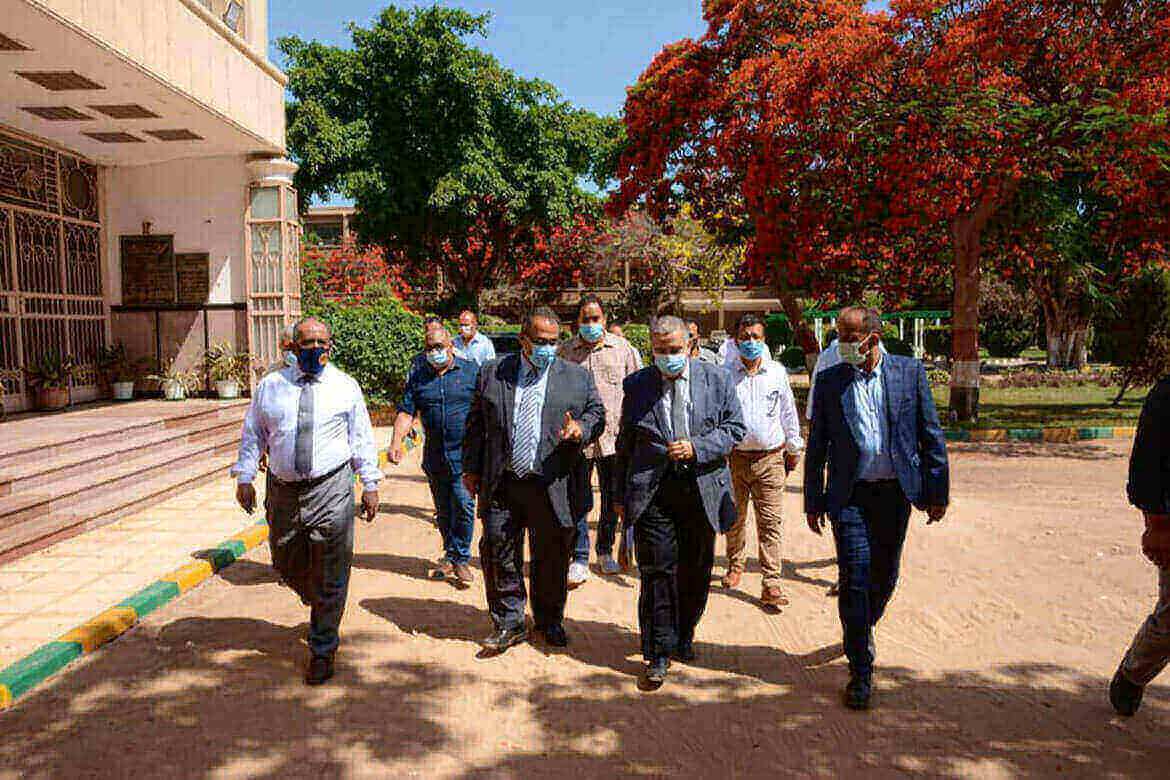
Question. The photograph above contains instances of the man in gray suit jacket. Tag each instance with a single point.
(680, 419)
(522, 454)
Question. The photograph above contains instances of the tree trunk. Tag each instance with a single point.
(1066, 332)
(803, 334)
(966, 235)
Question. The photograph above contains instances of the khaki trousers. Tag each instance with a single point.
(758, 476)
(1150, 650)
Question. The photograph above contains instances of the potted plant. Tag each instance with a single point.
(228, 368)
(118, 371)
(49, 379)
(174, 381)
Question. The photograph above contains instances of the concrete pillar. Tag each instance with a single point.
(256, 24)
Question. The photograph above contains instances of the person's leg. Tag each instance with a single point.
(551, 550)
(741, 474)
(287, 540)
(441, 494)
(767, 491)
(696, 557)
(462, 523)
(330, 510)
(581, 540)
(657, 550)
(888, 516)
(1148, 654)
(501, 552)
(852, 541)
(607, 519)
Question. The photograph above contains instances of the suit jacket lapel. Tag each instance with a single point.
(510, 374)
(698, 395)
(548, 421)
(657, 389)
(849, 406)
(892, 390)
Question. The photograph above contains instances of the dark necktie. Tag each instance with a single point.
(303, 460)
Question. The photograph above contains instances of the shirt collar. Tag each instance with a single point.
(741, 368)
(297, 373)
(858, 371)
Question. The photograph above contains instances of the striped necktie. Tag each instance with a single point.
(527, 428)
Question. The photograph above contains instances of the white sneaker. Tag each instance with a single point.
(609, 565)
(578, 573)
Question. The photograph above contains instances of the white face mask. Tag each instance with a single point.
(851, 353)
(465, 331)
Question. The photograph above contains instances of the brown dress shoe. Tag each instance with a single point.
(731, 578)
(463, 574)
(773, 597)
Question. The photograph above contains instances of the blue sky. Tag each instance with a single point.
(591, 50)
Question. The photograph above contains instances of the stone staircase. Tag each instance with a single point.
(63, 474)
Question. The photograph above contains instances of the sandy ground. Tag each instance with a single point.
(992, 661)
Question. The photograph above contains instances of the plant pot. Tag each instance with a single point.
(123, 391)
(51, 399)
(227, 388)
(173, 390)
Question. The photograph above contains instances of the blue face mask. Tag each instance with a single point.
(670, 365)
(592, 332)
(290, 358)
(543, 355)
(311, 360)
(752, 350)
(438, 357)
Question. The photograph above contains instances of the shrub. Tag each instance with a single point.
(793, 359)
(374, 341)
(937, 340)
(777, 332)
(896, 346)
(1007, 319)
(939, 377)
(1057, 379)
(639, 336)
(1139, 335)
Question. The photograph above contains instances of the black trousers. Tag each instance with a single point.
(521, 505)
(676, 551)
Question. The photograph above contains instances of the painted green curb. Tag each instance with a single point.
(48, 659)
(31, 670)
(1034, 434)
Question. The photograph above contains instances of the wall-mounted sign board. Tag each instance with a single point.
(152, 274)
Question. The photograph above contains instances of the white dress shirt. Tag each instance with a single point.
(534, 382)
(769, 408)
(341, 428)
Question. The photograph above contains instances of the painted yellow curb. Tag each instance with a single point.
(5, 697)
(1124, 433)
(1060, 435)
(994, 434)
(252, 536)
(189, 576)
(101, 629)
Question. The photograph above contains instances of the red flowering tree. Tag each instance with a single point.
(877, 149)
(345, 274)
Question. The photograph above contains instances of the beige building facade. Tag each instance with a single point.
(144, 193)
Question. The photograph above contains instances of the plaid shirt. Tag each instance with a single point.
(610, 361)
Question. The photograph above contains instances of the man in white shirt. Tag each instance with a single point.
(312, 420)
(761, 461)
(477, 346)
(729, 352)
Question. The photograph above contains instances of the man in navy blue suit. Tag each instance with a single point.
(680, 420)
(875, 428)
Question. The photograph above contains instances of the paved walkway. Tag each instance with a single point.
(992, 661)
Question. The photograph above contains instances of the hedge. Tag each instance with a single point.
(639, 336)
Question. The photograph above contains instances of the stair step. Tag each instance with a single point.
(40, 532)
(65, 495)
(82, 460)
(22, 445)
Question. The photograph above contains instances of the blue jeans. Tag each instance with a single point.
(607, 521)
(456, 510)
(869, 533)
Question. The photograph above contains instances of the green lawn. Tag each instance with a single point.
(1048, 407)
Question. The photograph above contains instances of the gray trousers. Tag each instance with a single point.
(310, 533)
(1150, 650)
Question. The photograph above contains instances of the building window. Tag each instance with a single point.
(233, 15)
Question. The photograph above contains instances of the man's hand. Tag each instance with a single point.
(680, 450)
(369, 505)
(571, 430)
(816, 522)
(1156, 540)
(396, 453)
(790, 461)
(935, 513)
(246, 497)
(471, 482)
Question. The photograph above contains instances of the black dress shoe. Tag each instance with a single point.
(1125, 696)
(656, 671)
(503, 638)
(858, 693)
(685, 652)
(320, 669)
(555, 636)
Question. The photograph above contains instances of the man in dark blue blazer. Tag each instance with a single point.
(522, 455)
(874, 427)
(680, 419)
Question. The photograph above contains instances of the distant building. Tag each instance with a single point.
(144, 193)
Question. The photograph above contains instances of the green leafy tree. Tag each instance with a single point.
(450, 158)
(1138, 334)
